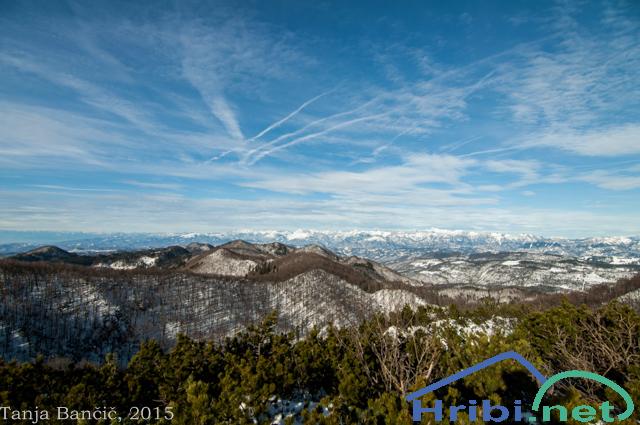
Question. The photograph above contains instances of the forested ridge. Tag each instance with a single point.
(85, 313)
(349, 375)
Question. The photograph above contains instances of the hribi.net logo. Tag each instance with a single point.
(486, 411)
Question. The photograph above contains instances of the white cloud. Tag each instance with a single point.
(612, 141)
(611, 180)
(60, 210)
(528, 168)
(404, 178)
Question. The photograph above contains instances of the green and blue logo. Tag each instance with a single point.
(497, 413)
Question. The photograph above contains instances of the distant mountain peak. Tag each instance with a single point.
(49, 249)
(46, 253)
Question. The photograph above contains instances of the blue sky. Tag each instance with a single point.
(182, 116)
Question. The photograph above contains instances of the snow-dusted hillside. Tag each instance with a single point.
(632, 297)
(520, 270)
(87, 308)
(224, 263)
(89, 317)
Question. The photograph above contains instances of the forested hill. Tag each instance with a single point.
(61, 304)
(53, 306)
(351, 375)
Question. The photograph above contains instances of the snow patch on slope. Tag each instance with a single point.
(221, 263)
(388, 300)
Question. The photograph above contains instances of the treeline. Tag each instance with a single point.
(352, 375)
(594, 295)
(532, 299)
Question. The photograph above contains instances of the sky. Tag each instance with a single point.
(520, 116)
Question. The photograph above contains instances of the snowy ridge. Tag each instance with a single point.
(516, 269)
(380, 245)
(632, 297)
(219, 262)
(87, 311)
(388, 300)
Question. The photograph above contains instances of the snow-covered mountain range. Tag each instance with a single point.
(432, 257)
(378, 245)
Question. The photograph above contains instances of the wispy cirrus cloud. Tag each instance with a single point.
(90, 93)
(413, 172)
(152, 185)
(599, 142)
(414, 127)
(230, 55)
(580, 82)
(623, 179)
(418, 109)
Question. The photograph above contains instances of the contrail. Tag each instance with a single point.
(220, 156)
(496, 150)
(314, 135)
(288, 117)
(303, 129)
(380, 148)
(456, 145)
